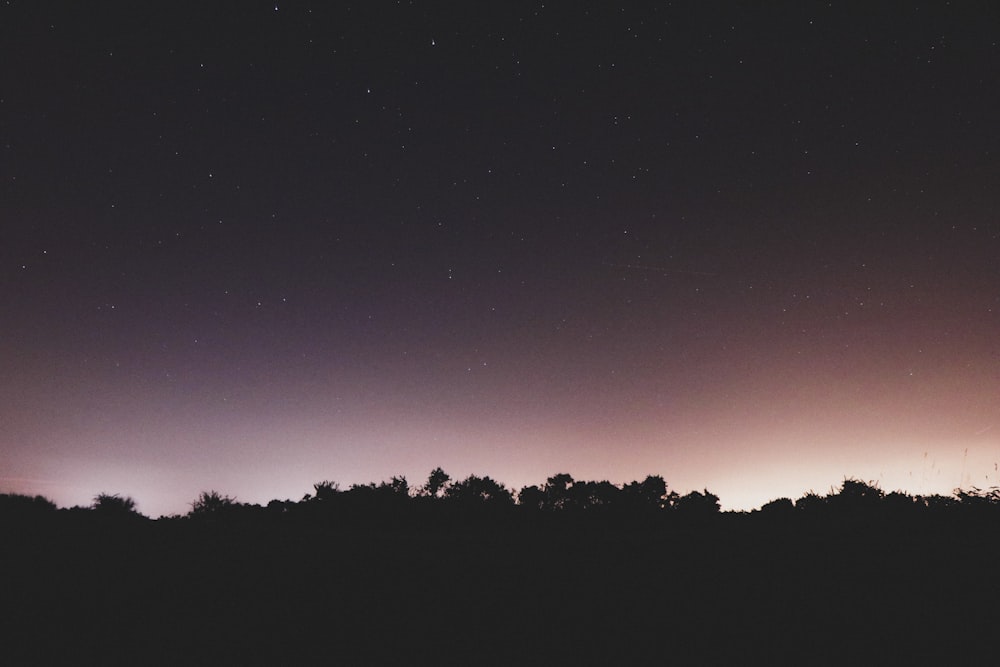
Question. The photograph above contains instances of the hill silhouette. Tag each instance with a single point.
(469, 572)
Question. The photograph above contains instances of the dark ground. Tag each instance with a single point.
(729, 589)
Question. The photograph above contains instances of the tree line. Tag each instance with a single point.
(561, 495)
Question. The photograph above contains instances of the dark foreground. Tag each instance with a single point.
(727, 589)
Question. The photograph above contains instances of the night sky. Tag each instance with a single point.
(249, 247)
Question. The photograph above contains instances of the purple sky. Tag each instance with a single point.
(249, 247)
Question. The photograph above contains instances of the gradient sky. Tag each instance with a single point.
(251, 246)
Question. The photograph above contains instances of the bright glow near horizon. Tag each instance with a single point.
(745, 463)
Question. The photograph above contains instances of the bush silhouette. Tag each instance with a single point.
(326, 490)
(811, 503)
(856, 496)
(114, 505)
(212, 504)
(778, 507)
(15, 504)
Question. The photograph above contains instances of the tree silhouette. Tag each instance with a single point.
(399, 486)
(531, 497)
(650, 493)
(436, 483)
(464, 561)
(593, 495)
(387, 501)
(557, 496)
(698, 504)
(479, 490)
